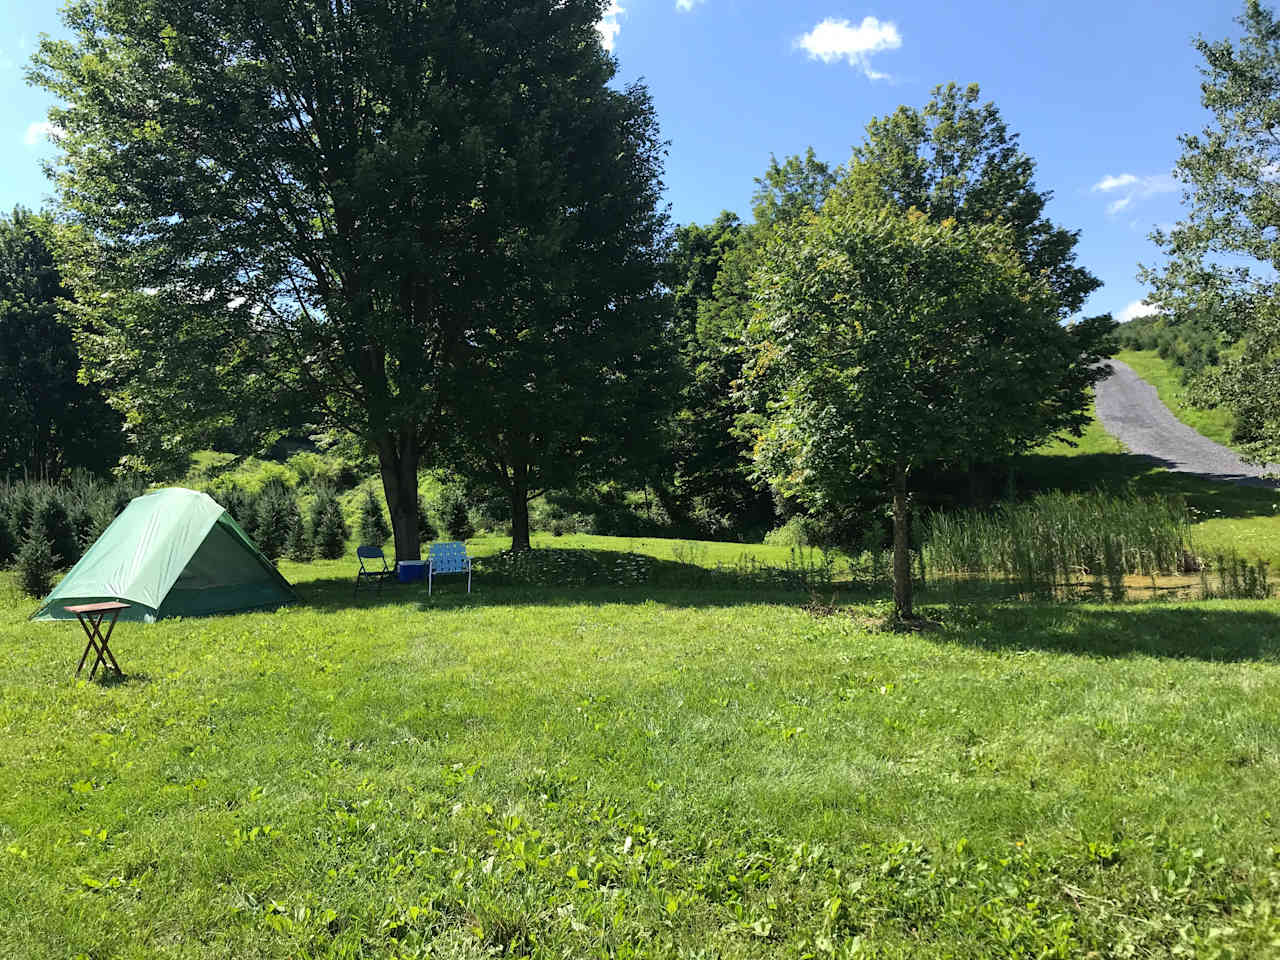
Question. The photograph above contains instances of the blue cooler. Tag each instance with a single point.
(410, 570)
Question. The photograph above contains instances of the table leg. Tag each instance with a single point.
(106, 648)
(99, 644)
(90, 645)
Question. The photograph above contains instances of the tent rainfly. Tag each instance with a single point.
(171, 553)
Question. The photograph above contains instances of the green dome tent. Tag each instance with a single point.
(171, 553)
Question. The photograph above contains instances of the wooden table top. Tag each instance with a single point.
(98, 607)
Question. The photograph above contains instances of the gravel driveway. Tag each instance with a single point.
(1130, 410)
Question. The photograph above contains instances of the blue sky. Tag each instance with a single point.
(1099, 92)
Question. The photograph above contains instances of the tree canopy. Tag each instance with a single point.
(321, 208)
(50, 421)
(890, 342)
(1224, 254)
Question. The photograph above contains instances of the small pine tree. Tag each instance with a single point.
(22, 507)
(235, 502)
(426, 529)
(329, 528)
(84, 526)
(36, 561)
(8, 545)
(51, 515)
(459, 521)
(298, 545)
(271, 532)
(373, 526)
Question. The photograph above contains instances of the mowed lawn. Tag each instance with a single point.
(640, 772)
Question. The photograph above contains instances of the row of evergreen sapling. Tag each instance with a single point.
(272, 519)
(46, 527)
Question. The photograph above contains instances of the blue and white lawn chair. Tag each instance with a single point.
(448, 557)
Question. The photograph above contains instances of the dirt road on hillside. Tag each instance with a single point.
(1130, 410)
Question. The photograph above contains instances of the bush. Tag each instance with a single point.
(51, 516)
(236, 502)
(84, 526)
(8, 544)
(297, 546)
(453, 513)
(22, 507)
(793, 533)
(328, 528)
(36, 561)
(374, 529)
(426, 529)
(272, 531)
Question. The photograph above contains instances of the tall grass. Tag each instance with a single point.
(1059, 538)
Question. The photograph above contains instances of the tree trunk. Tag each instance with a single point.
(901, 547)
(519, 513)
(398, 460)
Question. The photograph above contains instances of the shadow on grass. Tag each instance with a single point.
(332, 595)
(109, 678)
(575, 576)
(1224, 496)
(1209, 633)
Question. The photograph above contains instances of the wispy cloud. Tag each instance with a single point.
(40, 130)
(1139, 308)
(687, 5)
(834, 40)
(1129, 187)
(608, 26)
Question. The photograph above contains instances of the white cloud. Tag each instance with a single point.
(833, 40)
(40, 130)
(1139, 308)
(687, 5)
(1132, 187)
(608, 26)
(1112, 182)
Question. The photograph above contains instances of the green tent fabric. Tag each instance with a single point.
(171, 553)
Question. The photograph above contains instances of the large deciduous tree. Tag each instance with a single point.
(1224, 255)
(890, 342)
(956, 158)
(313, 210)
(49, 420)
(707, 483)
(566, 383)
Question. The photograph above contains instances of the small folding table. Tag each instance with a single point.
(91, 616)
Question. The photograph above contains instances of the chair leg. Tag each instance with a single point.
(468, 579)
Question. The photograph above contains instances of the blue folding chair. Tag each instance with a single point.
(448, 557)
(370, 572)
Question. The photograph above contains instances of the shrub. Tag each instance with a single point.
(237, 503)
(51, 515)
(426, 529)
(328, 528)
(8, 543)
(374, 530)
(36, 561)
(453, 513)
(298, 546)
(22, 507)
(274, 527)
(790, 534)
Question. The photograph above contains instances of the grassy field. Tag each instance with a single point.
(1216, 423)
(680, 768)
(643, 772)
